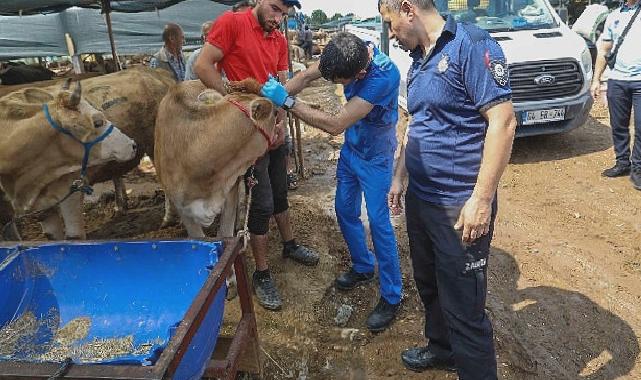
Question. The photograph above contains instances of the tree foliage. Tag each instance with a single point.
(318, 17)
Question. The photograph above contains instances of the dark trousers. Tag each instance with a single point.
(269, 196)
(451, 278)
(622, 96)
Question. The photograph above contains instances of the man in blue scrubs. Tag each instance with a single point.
(459, 142)
(366, 162)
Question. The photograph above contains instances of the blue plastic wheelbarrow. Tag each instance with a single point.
(118, 309)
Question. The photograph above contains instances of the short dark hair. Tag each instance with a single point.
(343, 57)
(171, 30)
(395, 5)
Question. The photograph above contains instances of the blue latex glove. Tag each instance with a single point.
(274, 91)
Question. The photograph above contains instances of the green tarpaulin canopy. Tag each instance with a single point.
(29, 7)
(43, 35)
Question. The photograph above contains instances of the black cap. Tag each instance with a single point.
(292, 3)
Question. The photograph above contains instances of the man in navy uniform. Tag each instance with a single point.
(459, 142)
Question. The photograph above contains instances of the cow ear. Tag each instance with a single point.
(261, 109)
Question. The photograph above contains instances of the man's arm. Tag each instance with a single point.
(205, 67)
(399, 181)
(604, 49)
(476, 214)
(355, 109)
(303, 79)
(280, 116)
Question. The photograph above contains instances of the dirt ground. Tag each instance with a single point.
(564, 292)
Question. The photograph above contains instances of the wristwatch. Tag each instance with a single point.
(289, 103)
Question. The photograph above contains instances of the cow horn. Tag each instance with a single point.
(66, 84)
(75, 96)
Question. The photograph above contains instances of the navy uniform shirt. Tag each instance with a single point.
(464, 74)
(375, 134)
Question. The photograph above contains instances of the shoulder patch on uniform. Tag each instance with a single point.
(499, 72)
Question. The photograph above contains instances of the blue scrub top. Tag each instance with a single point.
(465, 73)
(375, 134)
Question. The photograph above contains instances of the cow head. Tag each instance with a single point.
(87, 124)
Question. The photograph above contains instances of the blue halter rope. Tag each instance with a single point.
(86, 145)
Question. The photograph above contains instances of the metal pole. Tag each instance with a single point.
(106, 9)
(385, 38)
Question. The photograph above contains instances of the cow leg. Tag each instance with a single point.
(121, 196)
(171, 214)
(226, 229)
(229, 213)
(71, 211)
(52, 226)
(8, 228)
(10, 232)
(194, 229)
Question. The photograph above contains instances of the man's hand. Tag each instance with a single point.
(595, 89)
(474, 219)
(394, 197)
(274, 91)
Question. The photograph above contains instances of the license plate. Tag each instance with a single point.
(543, 116)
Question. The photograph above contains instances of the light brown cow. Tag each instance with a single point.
(204, 142)
(34, 156)
(129, 99)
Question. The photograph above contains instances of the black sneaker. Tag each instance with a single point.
(350, 280)
(382, 315)
(635, 177)
(618, 170)
(419, 359)
(266, 291)
(301, 254)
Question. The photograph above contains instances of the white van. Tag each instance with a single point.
(550, 65)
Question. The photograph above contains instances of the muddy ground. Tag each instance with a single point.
(564, 282)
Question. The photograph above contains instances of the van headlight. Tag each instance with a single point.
(586, 61)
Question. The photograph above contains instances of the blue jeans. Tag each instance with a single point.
(622, 96)
(355, 177)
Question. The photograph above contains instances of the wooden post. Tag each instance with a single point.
(299, 143)
(292, 134)
(106, 9)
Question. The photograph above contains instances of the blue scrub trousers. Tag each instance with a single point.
(372, 177)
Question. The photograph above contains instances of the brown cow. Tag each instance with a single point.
(129, 99)
(204, 142)
(34, 155)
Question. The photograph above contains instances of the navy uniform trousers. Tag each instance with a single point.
(451, 278)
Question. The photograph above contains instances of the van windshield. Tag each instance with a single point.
(500, 15)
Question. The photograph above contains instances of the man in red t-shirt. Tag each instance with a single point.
(243, 45)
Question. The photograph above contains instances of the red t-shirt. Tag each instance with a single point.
(247, 52)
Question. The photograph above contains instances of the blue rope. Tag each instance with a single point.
(87, 145)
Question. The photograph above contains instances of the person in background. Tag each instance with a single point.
(189, 69)
(624, 88)
(170, 56)
(241, 6)
(308, 42)
(366, 161)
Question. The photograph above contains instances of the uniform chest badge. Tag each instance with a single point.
(499, 72)
(443, 64)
